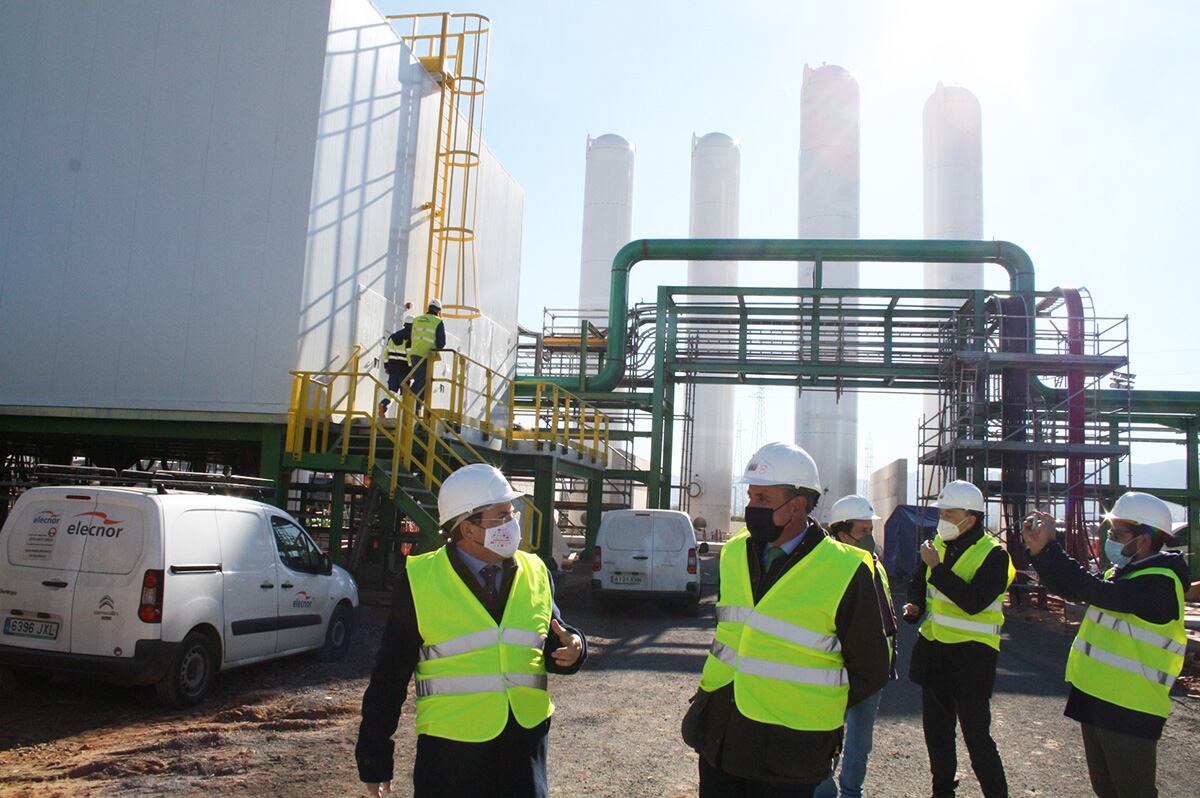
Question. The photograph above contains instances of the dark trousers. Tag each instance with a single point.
(396, 371)
(715, 783)
(1120, 765)
(513, 765)
(939, 711)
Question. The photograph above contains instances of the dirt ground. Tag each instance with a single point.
(288, 728)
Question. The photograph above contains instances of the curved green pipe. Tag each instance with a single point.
(1008, 255)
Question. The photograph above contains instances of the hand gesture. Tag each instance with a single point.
(929, 555)
(911, 612)
(1038, 529)
(572, 646)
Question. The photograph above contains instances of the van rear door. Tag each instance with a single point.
(627, 551)
(42, 556)
(108, 592)
(671, 536)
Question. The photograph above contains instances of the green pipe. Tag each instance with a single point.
(1010, 256)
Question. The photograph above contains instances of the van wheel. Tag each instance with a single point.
(691, 607)
(337, 635)
(191, 674)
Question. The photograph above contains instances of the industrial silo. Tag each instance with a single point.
(716, 177)
(607, 219)
(953, 188)
(826, 424)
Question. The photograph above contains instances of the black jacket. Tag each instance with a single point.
(1151, 598)
(397, 660)
(961, 670)
(766, 752)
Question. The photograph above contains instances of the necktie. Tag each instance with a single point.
(490, 574)
(773, 554)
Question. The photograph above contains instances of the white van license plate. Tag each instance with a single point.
(625, 579)
(20, 627)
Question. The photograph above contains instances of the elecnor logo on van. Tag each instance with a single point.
(104, 527)
(48, 518)
(302, 601)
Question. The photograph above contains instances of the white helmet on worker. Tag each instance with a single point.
(472, 488)
(782, 464)
(960, 495)
(851, 508)
(1142, 508)
(435, 304)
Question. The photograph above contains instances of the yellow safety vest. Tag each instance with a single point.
(945, 621)
(1125, 660)
(471, 670)
(887, 592)
(424, 335)
(395, 352)
(783, 654)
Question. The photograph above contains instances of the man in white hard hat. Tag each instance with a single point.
(428, 335)
(475, 623)
(852, 522)
(395, 359)
(798, 641)
(957, 594)
(1131, 643)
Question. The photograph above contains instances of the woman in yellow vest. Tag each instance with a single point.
(798, 641)
(475, 624)
(957, 596)
(1131, 643)
(852, 522)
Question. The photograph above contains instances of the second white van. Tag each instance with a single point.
(646, 554)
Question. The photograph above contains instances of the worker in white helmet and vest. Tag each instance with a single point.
(957, 596)
(476, 624)
(1131, 644)
(798, 641)
(428, 336)
(395, 360)
(852, 522)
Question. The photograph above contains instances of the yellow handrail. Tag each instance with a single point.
(317, 403)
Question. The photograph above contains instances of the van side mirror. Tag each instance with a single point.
(704, 547)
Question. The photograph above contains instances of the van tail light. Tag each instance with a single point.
(596, 558)
(691, 561)
(150, 609)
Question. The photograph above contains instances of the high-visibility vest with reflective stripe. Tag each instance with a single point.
(394, 351)
(424, 335)
(471, 670)
(887, 592)
(783, 654)
(1126, 660)
(945, 621)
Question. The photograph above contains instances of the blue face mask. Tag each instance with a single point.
(1113, 551)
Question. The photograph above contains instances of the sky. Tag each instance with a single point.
(1091, 145)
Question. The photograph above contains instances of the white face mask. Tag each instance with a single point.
(505, 539)
(947, 530)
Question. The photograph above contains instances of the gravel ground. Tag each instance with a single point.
(288, 728)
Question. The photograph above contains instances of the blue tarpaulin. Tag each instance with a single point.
(903, 532)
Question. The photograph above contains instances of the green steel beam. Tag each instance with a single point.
(1010, 256)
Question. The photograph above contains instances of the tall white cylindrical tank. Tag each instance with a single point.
(607, 219)
(716, 180)
(953, 189)
(826, 425)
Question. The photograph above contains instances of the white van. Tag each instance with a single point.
(650, 554)
(142, 587)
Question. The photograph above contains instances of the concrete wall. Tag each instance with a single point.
(155, 165)
(889, 489)
(196, 198)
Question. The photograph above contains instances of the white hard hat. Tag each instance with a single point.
(1142, 508)
(960, 495)
(435, 303)
(470, 488)
(782, 464)
(409, 318)
(851, 508)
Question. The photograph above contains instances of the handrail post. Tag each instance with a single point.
(537, 417)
